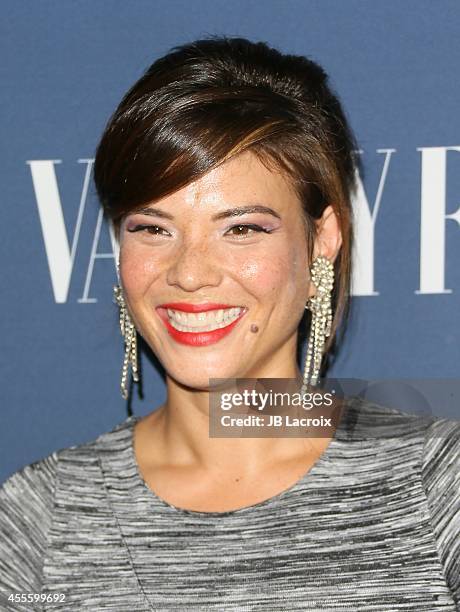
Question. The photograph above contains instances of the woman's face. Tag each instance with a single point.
(198, 249)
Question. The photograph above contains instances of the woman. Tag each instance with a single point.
(227, 172)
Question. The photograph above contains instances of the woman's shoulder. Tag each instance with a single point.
(433, 440)
(39, 476)
(28, 501)
(366, 419)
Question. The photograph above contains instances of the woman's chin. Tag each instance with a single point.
(204, 381)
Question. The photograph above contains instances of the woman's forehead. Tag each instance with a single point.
(242, 179)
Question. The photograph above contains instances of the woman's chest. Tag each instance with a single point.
(360, 546)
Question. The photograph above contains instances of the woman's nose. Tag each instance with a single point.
(194, 266)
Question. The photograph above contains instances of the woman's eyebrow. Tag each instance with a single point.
(231, 212)
(244, 210)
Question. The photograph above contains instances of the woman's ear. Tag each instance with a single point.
(329, 237)
(115, 234)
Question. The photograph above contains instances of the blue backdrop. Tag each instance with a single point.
(65, 66)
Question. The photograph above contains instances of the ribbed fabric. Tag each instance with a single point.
(374, 525)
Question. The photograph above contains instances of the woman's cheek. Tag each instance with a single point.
(136, 269)
(266, 275)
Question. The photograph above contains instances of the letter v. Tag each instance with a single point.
(60, 255)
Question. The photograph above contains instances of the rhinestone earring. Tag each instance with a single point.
(322, 276)
(129, 333)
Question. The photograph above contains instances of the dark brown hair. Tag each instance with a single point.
(210, 100)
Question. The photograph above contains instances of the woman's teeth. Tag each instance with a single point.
(202, 321)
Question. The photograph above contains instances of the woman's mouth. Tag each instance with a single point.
(199, 325)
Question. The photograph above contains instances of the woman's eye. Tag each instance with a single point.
(246, 230)
(238, 231)
(150, 229)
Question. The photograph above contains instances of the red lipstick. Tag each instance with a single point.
(201, 338)
(187, 307)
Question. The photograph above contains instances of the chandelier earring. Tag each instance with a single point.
(322, 276)
(129, 333)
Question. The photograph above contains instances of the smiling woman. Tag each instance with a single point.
(249, 259)
(227, 171)
(208, 103)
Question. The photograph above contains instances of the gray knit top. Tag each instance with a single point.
(374, 525)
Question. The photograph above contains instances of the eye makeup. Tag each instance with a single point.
(141, 227)
(250, 226)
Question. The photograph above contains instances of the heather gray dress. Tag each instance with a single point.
(374, 525)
